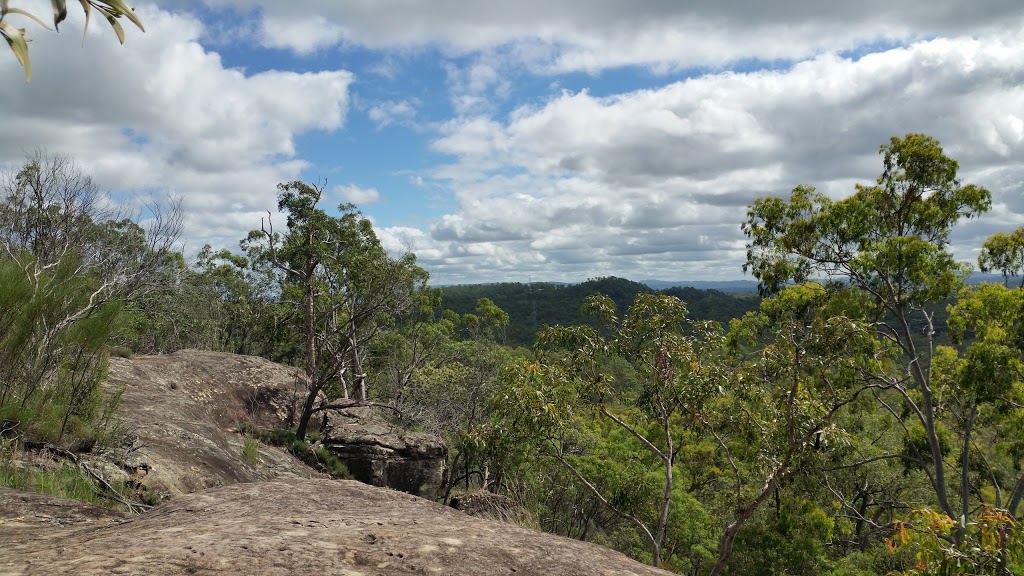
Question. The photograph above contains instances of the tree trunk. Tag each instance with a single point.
(311, 388)
(928, 410)
(358, 377)
(743, 514)
(666, 502)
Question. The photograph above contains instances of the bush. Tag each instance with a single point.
(65, 481)
(309, 451)
(250, 450)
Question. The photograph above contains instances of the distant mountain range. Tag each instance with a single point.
(737, 286)
(720, 285)
(533, 305)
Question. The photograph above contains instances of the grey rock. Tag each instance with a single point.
(183, 411)
(381, 454)
(293, 527)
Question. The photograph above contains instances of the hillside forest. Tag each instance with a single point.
(863, 414)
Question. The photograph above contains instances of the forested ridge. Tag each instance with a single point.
(535, 305)
(863, 415)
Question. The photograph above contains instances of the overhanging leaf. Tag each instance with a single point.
(112, 18)
(88, 13)
(16, 39)
(60, 12)
(24, 13)
(119, 8)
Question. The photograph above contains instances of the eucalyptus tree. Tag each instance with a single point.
(888, 246)
(678, 371)
(780, 416)
(1004, 253)
(345, 285)
(250, 317)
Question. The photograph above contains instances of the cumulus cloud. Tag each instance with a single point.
(164, 116)
(560, 36)
(654, 183)
(303, 34)
(744, 99)
(356, 195)
(387, 113)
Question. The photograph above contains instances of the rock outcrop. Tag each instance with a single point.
(183, 411)
(380, 454)
(292, 527)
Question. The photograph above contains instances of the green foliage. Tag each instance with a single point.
(69, 268)
(992, 543)
(889, 243)
(888, 239)
(64, 480)
(184, 313)
(250, 450)
(990, 364)
(677, 373)
(247, 312)
(793, 444)
(532, 306)
(788, 540)
(340, 281)
(308, 449)
(51, 368)
(1003, 253)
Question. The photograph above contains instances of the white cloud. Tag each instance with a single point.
(654, 183)
(355, 194)
(392, 112)
(302, 34)
(564, 35)
(645, 183)
(164, 115)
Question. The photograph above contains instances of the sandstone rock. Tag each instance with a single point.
(381, 454)
(184, 409)
(293, 527)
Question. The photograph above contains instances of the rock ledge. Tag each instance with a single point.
(293, 527)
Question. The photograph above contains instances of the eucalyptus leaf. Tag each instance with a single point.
(112, 19)
(16, 39)
(119, 8)
(87, 7)
(60, 12)
(27, 14)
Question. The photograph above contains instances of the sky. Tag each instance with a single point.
(554, 140)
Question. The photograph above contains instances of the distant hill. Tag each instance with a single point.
(721, 285)
(531, 306)
(978, 278)
(740, 286)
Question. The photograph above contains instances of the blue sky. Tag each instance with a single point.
(537, 140)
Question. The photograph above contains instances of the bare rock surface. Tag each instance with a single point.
(185, 409)
(181, 411)
(293, 527)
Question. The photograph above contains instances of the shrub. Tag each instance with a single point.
(250, 450)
